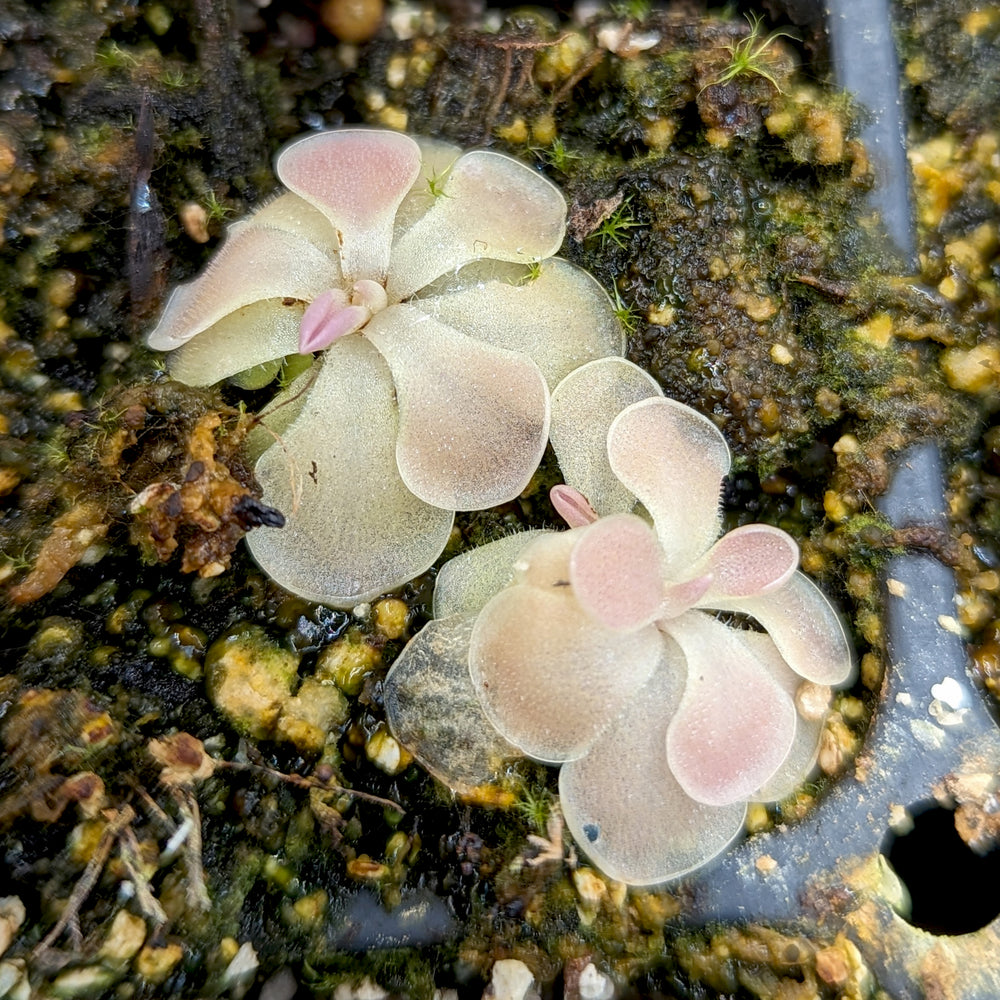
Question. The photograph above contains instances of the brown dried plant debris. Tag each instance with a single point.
(165, 454)
(974, 795)
(208, 511)
(50, 740)
(71, 535)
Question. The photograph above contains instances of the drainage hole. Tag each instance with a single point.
(953, 890)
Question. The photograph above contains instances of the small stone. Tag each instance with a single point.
(367, 989)
(64, 401)
(156, 964)
(391, 616)
(718, 269)
(125, 937)
(846, 444)
(780, 123)
(61, 288)
(14, 983)
(813, 700)
(86, 981)
(950, 624)
(347, 662)
(976, 370)
(395, 72)
(757, 817)
(241, 971)
(557, 62)
(12, 914)
(364, 869)
(900, 820)
(951, 287)
(516, 131)
(386, 752)
(663, 316)
(835, 507)
(590, 887)
(392, 117)
(781, 355)
(352, 21)
(511, 979)
(194, 219)
(312, 714)
(281, 986)
(977, 21)
(765, 864)
(228, 947)
(877, 331)
(543, 130)
(311, 908)
(831, 966)
(595, 985)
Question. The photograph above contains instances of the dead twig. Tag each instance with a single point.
(131, 857)
(300, 781)
(118, 820)
(196, 891)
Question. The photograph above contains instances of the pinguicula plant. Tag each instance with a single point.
(673, 675)
(416, 285)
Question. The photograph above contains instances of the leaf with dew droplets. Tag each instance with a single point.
(735, 724)
(623, 805)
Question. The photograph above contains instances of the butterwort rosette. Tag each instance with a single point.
(416, 285)
(673, 675)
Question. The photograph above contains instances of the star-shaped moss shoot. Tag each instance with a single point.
(422, 278)
(601, 648)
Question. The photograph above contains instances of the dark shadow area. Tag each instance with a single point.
(953, 890)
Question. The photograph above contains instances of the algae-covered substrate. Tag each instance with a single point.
(199, 795)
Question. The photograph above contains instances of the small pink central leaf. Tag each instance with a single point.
(572, 506)
(333, 314)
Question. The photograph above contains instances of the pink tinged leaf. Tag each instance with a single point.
(473, 419)
(491, 206)
(624, 807)
(549, 678)
(466, 583)
(433, 710)
(252, 264)
(572, 506)
(747, 561)
(357, 179)
(681, 597)
(353, 530)
(436, 160)
(801, 758)
(252, 335)
(804, 626)
(544, 561)
(673, 459)
(561, 317)
(584, 405)
(615, 572)
(296, 216)
(735, 723)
